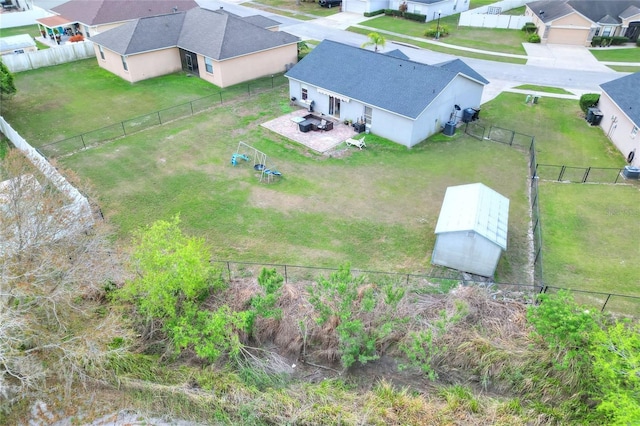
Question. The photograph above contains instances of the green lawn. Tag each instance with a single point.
(32, 30)
(441, 49)
(490, 39)
(562, 135)
(611, 54)
(546, 89)
(588, 237)
(308, 7)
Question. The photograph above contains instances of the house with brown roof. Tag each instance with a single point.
(217, 46)
(578, 21)
(91, 17)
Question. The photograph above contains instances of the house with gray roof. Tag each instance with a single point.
(620, 107)
(398, 99)
(217, 46)
(578, 21)
(91, 17)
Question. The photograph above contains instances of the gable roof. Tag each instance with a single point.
(458, 66)
(387, 82)
(624, 92)
(478, 208)
(214, 34)
(630, 11)
(397, 53)
(96, 12)
(598, 11)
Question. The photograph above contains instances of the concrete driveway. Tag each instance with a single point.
(562, 56)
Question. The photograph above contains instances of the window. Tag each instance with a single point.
(634, 131)
(208, 65)
(124, 63)
(305, 94)
(101, 52)
(367, 115)
(606, 31)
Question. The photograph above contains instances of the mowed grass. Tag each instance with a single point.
(589, 237)
(562, 135)
(611, 54)
(375, 208)
(440, 48)
(307, 7)
(58, 102)
(489, 39)
(546, 89)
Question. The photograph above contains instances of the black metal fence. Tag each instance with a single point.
(436, 281)
(156, 118)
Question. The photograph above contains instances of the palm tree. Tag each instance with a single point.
(375, 40)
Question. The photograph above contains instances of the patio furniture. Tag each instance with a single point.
(356, 142)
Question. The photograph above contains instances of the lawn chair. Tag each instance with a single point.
(322, 125)
(356, 142)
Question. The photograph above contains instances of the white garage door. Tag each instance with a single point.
(354, 6)
(568, 36)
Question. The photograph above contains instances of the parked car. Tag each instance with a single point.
(329, 3)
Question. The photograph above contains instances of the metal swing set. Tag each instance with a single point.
(246, 152)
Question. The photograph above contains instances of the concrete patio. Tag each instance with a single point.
(320, 141)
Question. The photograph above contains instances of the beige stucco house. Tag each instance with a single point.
(620, 107)
(91, 17)
(578, 21)
(217, 46)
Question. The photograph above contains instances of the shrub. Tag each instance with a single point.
(374, 13)
(638, 42)
(76, 38)
(411, 16)
(596, 41)
(530, 28)
(432, 31)
(588, 100)
(534, 38)
(618, 40)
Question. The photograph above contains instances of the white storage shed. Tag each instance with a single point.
(471, 232)
(21, 43)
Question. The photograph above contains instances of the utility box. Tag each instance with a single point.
(449, 128)
(467, 115)
(631, 172)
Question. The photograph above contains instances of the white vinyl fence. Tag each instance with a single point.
(489, 16)
(75, 216)
(44, 58)
(26, 16)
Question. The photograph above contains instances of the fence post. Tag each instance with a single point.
(191, 105)
(229, 270)
(513, 135)
(82, 139)
(220, 93)
(159, 119)
(586, 174)
(407, 279)
(272, 81)
(561, 173)
(605, 302)
(124, 132)
(286, 278)
(618, 176)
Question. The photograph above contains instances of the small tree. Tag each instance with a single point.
(375, 40)
(588, 100)
(7, 86)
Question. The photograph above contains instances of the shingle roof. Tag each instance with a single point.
(397, 53)
(630, 11)
(599, 11)
(393, 84)
(209, 33)
(261, 21)
(95, 12)
(458, 66)
(478, 208)
(624, 92)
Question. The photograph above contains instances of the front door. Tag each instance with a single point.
(334, 106)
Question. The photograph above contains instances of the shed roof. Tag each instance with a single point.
(478, 208)
(387, 82)
(624, 92)
(19, 41)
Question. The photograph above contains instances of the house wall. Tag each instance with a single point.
(142, 66)
(248, 67)
(571, 29)
(402, 130)
(362, 6)
(618, 127)
(466, 251)
(445, 7)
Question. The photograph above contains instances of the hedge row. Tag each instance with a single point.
(406, 15)
(589, 100)
(374, 13)
(599, 41)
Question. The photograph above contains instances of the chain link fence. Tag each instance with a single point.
(157, 118)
